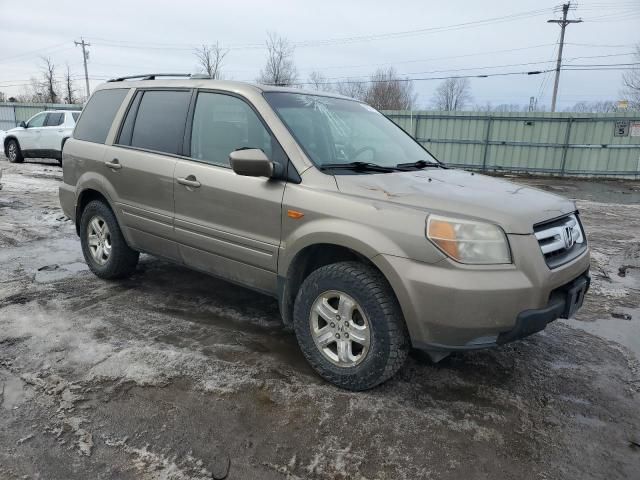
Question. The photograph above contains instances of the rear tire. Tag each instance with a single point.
(103, 245)
(368, 322)
(14, 154)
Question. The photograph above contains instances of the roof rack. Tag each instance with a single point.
(152, 76)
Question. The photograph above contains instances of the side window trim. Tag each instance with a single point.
(134, 103)
(186, 140)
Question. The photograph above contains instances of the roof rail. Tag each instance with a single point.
(152, 76)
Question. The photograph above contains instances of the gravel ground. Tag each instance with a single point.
(175, 375)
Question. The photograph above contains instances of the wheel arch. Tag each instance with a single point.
(84, 197)
(6, 143)
(308, 259)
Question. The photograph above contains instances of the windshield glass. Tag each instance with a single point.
(339, 131)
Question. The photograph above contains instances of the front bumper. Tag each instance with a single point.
(564, 301)
(448, 306)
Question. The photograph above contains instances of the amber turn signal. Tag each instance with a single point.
(295, 214)
(443, 234)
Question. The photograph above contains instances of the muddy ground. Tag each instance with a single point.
(175, 375)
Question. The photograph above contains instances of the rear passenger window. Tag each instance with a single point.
(75, 116)
(98, 115)
(54, 119)
(156, 121)
(222, 124)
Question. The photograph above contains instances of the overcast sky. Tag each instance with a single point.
(338, 38)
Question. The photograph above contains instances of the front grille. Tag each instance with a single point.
(561, 240)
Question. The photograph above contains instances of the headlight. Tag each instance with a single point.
(467, 241)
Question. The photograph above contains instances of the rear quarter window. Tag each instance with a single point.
(98, 115)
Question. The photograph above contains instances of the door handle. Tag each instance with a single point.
(114, 164)
(189, 181)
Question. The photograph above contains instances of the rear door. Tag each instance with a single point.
(29, 137)
(140, 167)
(51, 132)
(227, 224)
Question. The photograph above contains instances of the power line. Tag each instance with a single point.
(330, 41)
(466, 55)
(31, 52)
(546, 76)
(614, 66)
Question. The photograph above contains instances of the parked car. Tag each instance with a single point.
(370, 244)
(42, 136)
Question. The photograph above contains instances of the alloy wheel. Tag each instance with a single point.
(99, 240)
(340, 328)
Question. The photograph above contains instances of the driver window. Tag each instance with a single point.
(37, 121)
(224, 123)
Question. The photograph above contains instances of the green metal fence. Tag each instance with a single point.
(546, 143)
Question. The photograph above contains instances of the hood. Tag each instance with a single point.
(516, 208)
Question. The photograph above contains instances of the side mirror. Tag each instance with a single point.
(22, 124)
(251, 162)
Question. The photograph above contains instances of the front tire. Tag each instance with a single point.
(14, 154)
(103, 245)
(350, 326)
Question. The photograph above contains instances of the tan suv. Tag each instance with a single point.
(370, 244)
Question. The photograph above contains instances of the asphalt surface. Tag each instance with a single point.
(175, 375)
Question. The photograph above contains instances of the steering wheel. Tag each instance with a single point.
(360, 151)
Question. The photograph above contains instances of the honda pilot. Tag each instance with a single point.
(370, 245)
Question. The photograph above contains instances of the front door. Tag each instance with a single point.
(29, 137)
(226, 224)
(140, 166)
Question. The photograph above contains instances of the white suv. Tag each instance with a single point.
(42, 136)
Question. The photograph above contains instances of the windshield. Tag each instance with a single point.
(339, 131)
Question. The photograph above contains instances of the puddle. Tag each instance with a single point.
(45, 274)
(13, 392)
(624, 332)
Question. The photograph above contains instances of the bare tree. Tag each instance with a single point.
(452, 94)
(210, 59)
(49, 82)
(352, 89)
(602, 106)
(70, 91)
(318, 81)
(279, 69)
(3, 97)
(631, 81)
(387, 91)
(510, 107)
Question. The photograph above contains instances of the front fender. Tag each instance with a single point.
(333, 231)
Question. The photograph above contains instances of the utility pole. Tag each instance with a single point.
(563, 24)
(85, 57)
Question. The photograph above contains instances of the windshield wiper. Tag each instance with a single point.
(359, 166)
(420, 164)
